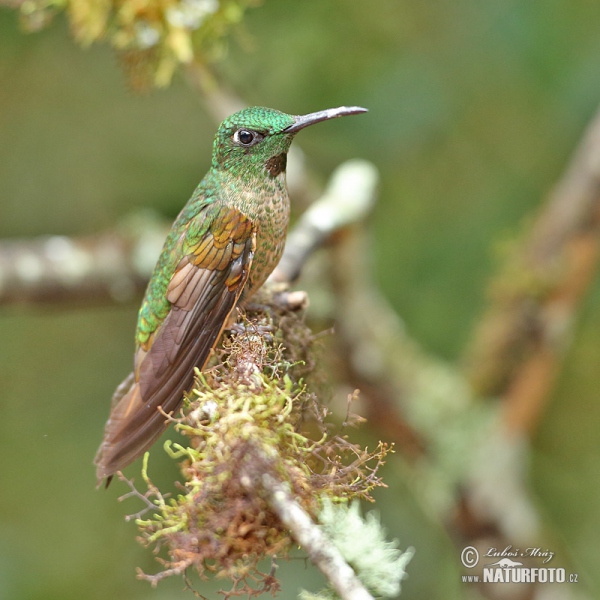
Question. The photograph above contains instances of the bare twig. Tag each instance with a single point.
(134, 493)
(321, 551)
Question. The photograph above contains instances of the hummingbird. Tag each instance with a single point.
(221, 248)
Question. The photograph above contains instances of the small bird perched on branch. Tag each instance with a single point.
(224, 244)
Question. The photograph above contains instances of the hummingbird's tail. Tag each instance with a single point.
(136, 422)
(202, 296)
(139, 405)
(120, 445)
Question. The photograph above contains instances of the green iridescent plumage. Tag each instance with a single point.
(222, 247)
(155, 306)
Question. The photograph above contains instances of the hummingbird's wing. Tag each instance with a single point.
(203, 291)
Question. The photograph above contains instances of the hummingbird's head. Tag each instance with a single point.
(256, 140)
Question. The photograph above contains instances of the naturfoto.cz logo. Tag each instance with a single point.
(506, 569)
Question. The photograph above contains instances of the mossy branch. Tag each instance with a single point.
(259, 463)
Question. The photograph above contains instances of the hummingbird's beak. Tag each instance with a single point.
(302, 121)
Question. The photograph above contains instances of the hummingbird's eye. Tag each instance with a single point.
(245, 137)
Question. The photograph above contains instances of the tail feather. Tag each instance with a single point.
(116, 451)
(135, 421)
(163, 371)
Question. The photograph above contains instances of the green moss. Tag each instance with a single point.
(246, 417)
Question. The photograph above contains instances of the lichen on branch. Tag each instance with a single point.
(253, 416)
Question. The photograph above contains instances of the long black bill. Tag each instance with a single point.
(303, 121)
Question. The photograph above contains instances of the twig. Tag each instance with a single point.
(321, 551)
(134, 493)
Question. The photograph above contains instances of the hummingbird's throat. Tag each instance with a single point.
(276, 164)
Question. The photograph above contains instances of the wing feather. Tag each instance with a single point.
(203, 291)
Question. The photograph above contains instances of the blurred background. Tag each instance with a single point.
(475, 111)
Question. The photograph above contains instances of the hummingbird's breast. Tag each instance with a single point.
(268, 206)
(273, 216)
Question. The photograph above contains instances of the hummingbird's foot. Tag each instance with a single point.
(241, 328)
(257, 307)
(297, 300)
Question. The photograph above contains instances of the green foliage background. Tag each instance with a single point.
(474, 110)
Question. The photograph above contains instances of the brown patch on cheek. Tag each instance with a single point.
(276, 164)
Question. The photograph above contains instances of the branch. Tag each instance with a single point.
(378, 356)
(349, 197)
(469, 471)
(107, 267)
(321, 551)
(114, 266)
(245, 420)
(519, 344)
